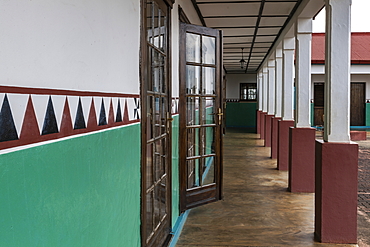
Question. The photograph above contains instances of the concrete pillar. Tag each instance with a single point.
(278, 100)
(287, 104)
(302, 137)
(264, 102)
(259, 98)
(270, 100)
(336, 156)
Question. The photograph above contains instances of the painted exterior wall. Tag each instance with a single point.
(79, 45)
(73, 192)
(72, 186)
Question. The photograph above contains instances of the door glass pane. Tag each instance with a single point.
(209, 51)
(192, 48)
(209, 140)
(157, 117)
(192, 111)
(156, 23)
(163, 35)
(163, 102)
(208, 176)
(149, 166)
(193, 142)
(149, 21)
(162, 186)
(149, 123)
(209, 80)
(209, 111)
(157, 205)
(192, 79)
(149, 214)
(158, 165)
(192, 173)
(157, 71)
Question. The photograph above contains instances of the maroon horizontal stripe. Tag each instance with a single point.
(42, 138)
(47, 91)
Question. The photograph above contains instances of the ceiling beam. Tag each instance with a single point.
(196, 7)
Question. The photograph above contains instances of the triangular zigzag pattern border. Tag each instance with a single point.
(30, 117)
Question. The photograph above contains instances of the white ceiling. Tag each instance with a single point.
(249, 24)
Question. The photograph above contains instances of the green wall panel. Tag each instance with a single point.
(241, 114)
(83, 191)
(367, 114)
(312, 114)
(175, 170)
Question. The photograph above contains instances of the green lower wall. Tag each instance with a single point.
(175, 170)
(241, 114)
(367, 114)
(83, 191)
(312, 114)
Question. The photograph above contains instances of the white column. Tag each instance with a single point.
(278, 80)
(337, 71)
(288, 78)
(271, 87)
(265, 95)
(303, 72)
(259, 89)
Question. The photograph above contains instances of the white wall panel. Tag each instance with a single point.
(89, 45)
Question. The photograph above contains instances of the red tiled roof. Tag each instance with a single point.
(360, 53)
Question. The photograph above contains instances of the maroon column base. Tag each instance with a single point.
(258, 123)
(268, 126)
(262, 126)
(274, 137)
(302, 160)
(336, 192)
(358, 135)
(283, 144)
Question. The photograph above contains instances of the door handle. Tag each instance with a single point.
(219, 114)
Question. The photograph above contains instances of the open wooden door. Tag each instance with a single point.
(201, 115)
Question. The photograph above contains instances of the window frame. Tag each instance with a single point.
(248, 86)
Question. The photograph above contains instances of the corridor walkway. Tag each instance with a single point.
(256, 210)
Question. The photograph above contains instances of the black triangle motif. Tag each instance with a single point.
(80, 120)
(102, 116)
(8, 132)
(50, 122)
(119, 114)
(137, 108)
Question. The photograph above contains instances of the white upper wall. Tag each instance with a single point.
(90, 45)
(233, 83)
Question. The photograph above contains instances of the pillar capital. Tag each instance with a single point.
(279, 51)
(271, 62)
(264, 70)
(289, 43)
(303, 26)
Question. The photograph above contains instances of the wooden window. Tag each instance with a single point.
(248, 91)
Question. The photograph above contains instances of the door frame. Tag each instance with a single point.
(183, 109)
(363, 113)
(143, 77)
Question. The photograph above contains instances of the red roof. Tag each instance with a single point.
(360, 53)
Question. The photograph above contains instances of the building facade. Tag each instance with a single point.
(111, 115)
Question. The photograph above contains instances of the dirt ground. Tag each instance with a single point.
(364, 193)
